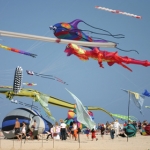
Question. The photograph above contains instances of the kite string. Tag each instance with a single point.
(59, 61)
(37, 43)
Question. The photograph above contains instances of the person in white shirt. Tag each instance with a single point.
(63, 130)
(116, 127)
(23, 130)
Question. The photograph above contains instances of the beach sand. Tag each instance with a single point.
(135, 143)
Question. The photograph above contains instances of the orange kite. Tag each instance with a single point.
(103, 56)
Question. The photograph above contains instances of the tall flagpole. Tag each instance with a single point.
(128, 111)
(78, 134)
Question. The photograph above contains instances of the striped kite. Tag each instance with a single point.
(118, 12)
(17, 51)
(30, 84)
(46, 76)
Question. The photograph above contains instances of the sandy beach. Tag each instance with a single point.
(135, 143)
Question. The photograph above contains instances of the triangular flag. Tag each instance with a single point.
(82, 114)
(136, 98)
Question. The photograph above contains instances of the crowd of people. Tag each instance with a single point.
(24, 132)
(62, 131)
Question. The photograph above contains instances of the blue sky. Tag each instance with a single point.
(94, 86)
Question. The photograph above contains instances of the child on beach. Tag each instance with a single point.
(94, 134)
(87, 131)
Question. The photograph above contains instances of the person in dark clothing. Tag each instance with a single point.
(135, 124)
(63, 130)
(139, 125)
(49, 134)
(112, 132)
(71, 130)
(102, 130)
(122, 133)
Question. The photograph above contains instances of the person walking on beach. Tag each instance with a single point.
(23, 132)
(87, 132)
(17, 128)
(116, 127)
(63, 130)
(75, 130)
(49, 133)
(102, 131)
(35, 130)
(111, 130)
(93, 134)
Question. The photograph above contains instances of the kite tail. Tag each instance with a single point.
(115, 36)
(126, 50)
(124, 66)
(33, 55)
(45, 77)
(103, 34)
(43, 74)
(50, 77)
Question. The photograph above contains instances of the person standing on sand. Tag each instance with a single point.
(23, 132)
(63, 129)
(17, 128)
(35, 130)
(87, 132)
(75, 130)
(111, 130)
(116, 127)
(102, 131)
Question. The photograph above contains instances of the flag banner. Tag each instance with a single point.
(82, 114)
(137, 99)
(146, 93)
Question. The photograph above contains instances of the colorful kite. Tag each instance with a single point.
(103, 56)
(118, 12)
(71, 31)
(17, 80)
(46, 76)
(30, 84)
(17, 51)
(39, 97)
(73, 117)
(146, 93)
